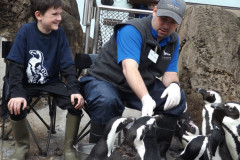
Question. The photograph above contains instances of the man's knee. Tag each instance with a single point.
(177, 110)
(104, 108)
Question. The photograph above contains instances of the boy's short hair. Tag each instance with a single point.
(43, 5)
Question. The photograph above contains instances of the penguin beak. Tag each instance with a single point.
(202, 91)
(130, 120)
(148, 128)
(218, 106)
(159, 117)
(154, 125)
(129, 124)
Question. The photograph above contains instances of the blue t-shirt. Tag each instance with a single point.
(129, 42)
(43, 56)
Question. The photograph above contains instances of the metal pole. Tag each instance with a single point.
(87, 16)
(96, 31)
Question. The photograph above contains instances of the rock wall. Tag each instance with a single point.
(209, 55)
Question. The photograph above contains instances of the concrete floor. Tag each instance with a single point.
(57, 140)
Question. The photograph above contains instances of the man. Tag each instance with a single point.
(126, 71)
(39, 53)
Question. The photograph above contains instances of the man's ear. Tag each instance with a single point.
(182, 18)
(155, 7)
(38, 15)
(154, 10)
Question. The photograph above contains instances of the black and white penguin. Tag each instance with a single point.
(186, 131)
(208, 147)
(195, 149)
(150, 142)
(231, 126)
(132, 147)
(217, 147)
(209, 97)
(104, 146)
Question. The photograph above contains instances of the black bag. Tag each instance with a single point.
(107, 2)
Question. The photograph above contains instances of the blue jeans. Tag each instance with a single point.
(105, 101)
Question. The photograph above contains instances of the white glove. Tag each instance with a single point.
(148, 105)
(174, 96)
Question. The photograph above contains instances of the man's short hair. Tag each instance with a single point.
(43, 5)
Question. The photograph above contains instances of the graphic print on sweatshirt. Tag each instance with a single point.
(36, 72)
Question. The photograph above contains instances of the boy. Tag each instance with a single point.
(39, 53)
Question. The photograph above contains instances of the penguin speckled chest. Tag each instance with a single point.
(132, 147)
(209, 97)
(104, 146)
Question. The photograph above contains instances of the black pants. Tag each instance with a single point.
(57, 90)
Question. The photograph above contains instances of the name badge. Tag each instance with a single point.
(153, 56)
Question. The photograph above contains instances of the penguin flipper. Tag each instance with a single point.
(216, 138)
(194, 148)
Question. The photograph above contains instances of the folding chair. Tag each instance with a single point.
(4, 113)
(6, 45)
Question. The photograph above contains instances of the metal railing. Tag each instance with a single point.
(106, 17)
(88, 15)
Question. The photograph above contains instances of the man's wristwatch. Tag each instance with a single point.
(177, 83)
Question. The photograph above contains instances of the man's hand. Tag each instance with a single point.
(14, 105)
(148, 105)
(174, 96)
(80, 101)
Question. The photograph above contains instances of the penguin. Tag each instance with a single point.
(104, 146)
(217, 148)
(231, 126)
(150, 142)
(133, 147)
(195, 149)
(212, 146)
(186, 131)
(209, 97)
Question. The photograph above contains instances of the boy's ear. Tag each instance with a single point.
(38, 15)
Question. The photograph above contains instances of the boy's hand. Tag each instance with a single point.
(79, 100)
(14, 105)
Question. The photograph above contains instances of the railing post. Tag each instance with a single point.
(2, 65)
(87, 16)
(96, 31)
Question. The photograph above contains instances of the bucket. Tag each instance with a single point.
(83, 150)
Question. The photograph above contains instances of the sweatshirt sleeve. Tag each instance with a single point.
(69, 73)
(16, 80)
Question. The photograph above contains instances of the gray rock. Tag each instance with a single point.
(209, 55)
